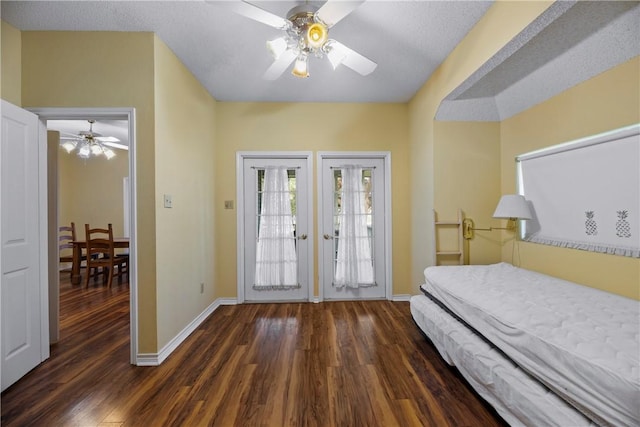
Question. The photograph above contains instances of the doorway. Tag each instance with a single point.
(275, 246)
(111, 114)
(354, 225)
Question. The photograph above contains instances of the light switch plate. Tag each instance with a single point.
(228, 204)
(167, 201)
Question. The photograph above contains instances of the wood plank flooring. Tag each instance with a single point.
(328, 364)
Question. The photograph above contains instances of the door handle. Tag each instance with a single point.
(327, 237)
(302, 237)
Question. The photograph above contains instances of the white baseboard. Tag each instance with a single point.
(155, 359)
(147, 359)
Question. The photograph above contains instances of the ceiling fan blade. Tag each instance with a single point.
(69, 135)
(333, 11)
(354, 60)
(280, 65)
(257, 14)
(115, 145)
(107, 139)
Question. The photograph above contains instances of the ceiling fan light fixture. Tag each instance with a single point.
(96, 149)
(316, 35)
(277, 47)
(69, 145)
(301, 67)
(89, 143)
(84, 151)
(109, 153)
(306, 28)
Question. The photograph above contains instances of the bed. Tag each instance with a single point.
(541, 350)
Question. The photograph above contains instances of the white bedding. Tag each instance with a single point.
(520, 400)
(582, 343)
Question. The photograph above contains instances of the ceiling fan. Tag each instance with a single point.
(306, 33)
(91, 143)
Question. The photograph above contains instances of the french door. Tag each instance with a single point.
(354, 225)
(275, 245)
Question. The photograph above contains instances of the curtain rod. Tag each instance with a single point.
(274, 167)
(351, 166)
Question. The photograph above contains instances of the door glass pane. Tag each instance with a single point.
(291, 174)
(276, 234)
(367, 197)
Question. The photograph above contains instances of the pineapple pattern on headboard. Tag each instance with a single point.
(623, 228)
(585, 193)
(590, 225)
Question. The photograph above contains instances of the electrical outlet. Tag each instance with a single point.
(228, 204)
(168, 203)
(202, 288)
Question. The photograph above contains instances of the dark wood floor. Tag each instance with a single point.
(327, 364)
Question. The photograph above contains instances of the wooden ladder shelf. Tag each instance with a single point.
(459, 253)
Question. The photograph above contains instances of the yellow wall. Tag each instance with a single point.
(184, 158)
(116, 70)
(90, 191)
(467, 177)
(175, 121)
(431, 186)
(11, 64)
(310, 127)
(608, 101)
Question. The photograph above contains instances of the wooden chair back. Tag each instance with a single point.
(101, 253)
(66, 235)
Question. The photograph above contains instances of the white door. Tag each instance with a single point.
(23, 333)
(266, 276)
(354, 226)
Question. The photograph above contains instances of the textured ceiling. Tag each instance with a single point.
(570, 42)
(227, 54)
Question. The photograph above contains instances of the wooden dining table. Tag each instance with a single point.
(80, 245)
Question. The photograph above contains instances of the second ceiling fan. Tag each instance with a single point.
(306, 33)
(90, 143)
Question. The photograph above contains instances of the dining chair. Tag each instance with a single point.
(101, 254)
(66, 237)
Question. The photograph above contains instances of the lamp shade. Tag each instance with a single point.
(512, 206)
(300, 68)
(69, 145)
(277, 47)
(316, 35)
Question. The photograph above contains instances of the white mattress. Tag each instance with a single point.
(582, 343)
(520, 400)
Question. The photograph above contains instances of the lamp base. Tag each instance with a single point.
(467, 228)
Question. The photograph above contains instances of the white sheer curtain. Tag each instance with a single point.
(276, 260)
(354, 264)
